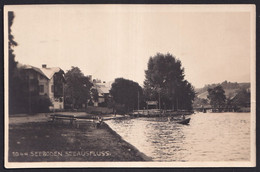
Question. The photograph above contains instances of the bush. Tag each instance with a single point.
(120, 109)
(40, 104)
(90, 103)
(103, 104)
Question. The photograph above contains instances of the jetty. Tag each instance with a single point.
(159, 113)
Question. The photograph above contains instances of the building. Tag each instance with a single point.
(47, 82)
(102, 89)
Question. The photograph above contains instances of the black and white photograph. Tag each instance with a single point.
(130, 85)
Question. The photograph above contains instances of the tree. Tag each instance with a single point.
(11, 44)
(242, 98)
(125, 92)
(26, 95)
(21, 98)
(164, 80)
(200, 102)
(187, 95)
(77, 88)
(40, 104)
(94, 93)
(18, 86)
(216, 96)
(13, 103)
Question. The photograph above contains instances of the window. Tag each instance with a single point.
(41, 88)
(52, 88)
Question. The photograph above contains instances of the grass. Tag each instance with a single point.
(47, 141)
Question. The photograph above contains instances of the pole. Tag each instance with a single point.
(159, 100)
(177, 103)
(29, 94)
(138, 101)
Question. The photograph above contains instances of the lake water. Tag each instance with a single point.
(208, 137)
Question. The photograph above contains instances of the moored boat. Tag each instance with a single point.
(159, 113)
(185, 121)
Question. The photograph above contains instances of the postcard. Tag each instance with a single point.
(130, 86)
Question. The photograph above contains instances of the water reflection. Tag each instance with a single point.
(209, 137)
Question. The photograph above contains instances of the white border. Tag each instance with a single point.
(185, 8)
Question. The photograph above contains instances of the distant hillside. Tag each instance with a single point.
(231, 89)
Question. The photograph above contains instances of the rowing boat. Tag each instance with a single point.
(185, 121)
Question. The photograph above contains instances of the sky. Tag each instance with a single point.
(214, 43)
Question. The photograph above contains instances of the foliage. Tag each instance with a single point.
(77, 88)
(11, 44)
(58, 80)
(165, 81)
(125, 93)
(27, 99)
(237, 95)
(94, 94)
(242, 98)
(102, 104)
(21, 98)
(200, 102)
(18, 93)
(216, 96)
(14, 90)
(225, 85)
(40, 104)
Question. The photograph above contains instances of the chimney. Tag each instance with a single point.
(44, 66)
(90, 77)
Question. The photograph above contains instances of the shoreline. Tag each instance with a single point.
(139, 153)
(44, 141)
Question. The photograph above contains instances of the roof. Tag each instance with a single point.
(47, 72)
(33, 68)
(104, 90)
(102, 87)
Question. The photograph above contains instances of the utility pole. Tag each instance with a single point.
(177, 103)
(160, 89)
(29, 91)
(159, 99)
(138, 100)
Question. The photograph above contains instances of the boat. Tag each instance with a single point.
(185, 121)
(159, 113)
